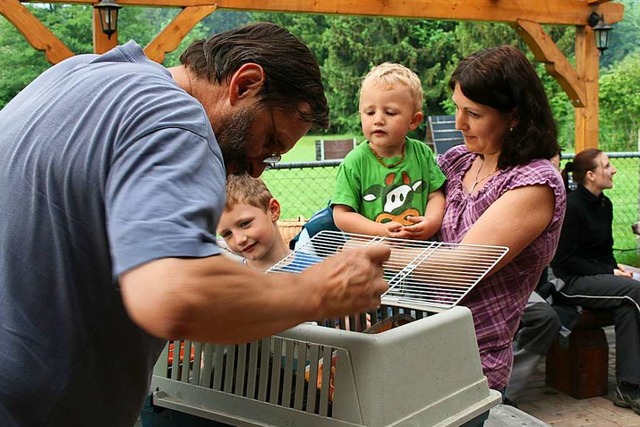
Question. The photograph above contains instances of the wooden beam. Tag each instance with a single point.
(38, 36)
(172, 35)
(560, 12)
(556, 64)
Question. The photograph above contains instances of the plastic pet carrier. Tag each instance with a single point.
(414, 361)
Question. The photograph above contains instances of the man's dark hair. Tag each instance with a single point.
(504, 79)
(291, 70)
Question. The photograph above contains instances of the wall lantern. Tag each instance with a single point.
(600, 29)
(108, 16)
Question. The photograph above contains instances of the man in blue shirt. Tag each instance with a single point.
(111, 186)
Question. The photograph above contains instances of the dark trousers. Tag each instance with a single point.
(539, 327)
(622, 296)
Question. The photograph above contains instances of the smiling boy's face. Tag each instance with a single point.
(250, 231)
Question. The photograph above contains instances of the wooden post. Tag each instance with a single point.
(587, 66)
(101, 43)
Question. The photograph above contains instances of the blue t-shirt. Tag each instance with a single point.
(106, 164)
(300, 262)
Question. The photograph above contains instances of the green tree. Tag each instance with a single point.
(625, 37)
(20, 63)
(620, 105)
(142, 24)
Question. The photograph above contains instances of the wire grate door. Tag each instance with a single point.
(420, 273)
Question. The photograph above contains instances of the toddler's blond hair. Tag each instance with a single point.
(390, 74)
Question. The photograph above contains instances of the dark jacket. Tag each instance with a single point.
(586, 241)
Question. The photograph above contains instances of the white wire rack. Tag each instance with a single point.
(420, 273)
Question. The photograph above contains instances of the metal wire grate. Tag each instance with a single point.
(420, 273)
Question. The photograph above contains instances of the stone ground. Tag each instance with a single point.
(558, 409)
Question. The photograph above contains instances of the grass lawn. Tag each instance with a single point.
(305, 149)
(302, 192)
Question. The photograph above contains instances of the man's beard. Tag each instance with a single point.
(232, 137)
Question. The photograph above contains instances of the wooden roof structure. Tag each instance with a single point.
(580, 82)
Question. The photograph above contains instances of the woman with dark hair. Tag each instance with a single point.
(501, 189)
(593, 278)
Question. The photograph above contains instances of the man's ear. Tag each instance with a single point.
(273, 209)
(246, 82)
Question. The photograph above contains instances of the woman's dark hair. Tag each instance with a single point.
(291, 70)
(582, 163)
(504, 79)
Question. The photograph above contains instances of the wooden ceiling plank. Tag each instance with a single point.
(556, 64)
(172, 35)
(38, 36)
(560, 12)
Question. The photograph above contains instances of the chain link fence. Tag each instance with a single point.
(306, 187)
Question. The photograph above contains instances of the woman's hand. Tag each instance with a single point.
(621, 271)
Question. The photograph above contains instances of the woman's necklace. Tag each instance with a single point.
(392, 165)
(478, 180)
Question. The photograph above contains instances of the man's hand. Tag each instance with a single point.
(348, 282)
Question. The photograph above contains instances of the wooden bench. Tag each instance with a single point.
(578, 365)
(334, 149)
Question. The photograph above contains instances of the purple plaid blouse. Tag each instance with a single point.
(498, 301)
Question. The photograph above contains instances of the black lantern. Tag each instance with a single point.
(600, 29)
(108, 16)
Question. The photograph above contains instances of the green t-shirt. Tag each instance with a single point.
(385, 194)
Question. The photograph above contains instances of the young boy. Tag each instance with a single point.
(249, 226)
(390, 185)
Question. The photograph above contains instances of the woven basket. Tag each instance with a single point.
(290, 227)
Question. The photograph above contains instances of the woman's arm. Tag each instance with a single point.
(515, 220)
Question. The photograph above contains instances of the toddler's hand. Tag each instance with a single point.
(419, 229)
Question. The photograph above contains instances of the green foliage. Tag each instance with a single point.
(625, 37)
(70, 23)
(216, 22)
(19, 62)
(348, 46)
(142, 24)
(619, 99)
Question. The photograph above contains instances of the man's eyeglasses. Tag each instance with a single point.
(272, 141)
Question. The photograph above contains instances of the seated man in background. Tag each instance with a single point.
(539, 328)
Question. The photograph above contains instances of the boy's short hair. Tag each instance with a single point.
(248, 190)
(389, 74)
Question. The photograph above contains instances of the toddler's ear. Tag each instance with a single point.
(273, 209)
(416, 120)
